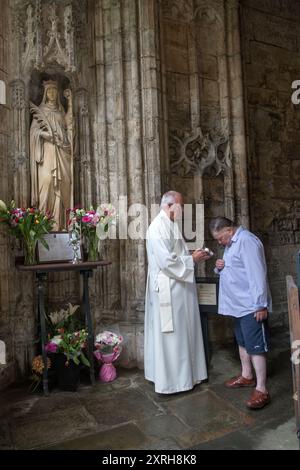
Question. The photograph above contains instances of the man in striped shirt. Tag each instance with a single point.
(244, 295)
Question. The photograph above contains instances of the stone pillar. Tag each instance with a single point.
(98, 107)
(83, 180)
(128, 138)
(129, 118)
(7, 370)
(225, 117)
(19, 144)
(132, 113)
(153, 104)
(237, 117)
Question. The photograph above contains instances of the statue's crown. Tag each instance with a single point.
(50, 83)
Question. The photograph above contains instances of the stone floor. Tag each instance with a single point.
(128, 414)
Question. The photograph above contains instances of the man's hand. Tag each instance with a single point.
(220, 263)
(200, 256)
(261, 315)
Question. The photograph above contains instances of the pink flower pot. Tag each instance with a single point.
(107, 371)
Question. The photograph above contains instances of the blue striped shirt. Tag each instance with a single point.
(243, 281)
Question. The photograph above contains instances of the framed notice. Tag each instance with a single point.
(60, 249)
(208, 293)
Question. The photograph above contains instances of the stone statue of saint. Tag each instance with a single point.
(51, 154)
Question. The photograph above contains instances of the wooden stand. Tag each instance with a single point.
(86, 270)
(208, 303)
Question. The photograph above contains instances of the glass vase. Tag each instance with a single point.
(29, 247)
(93, 241)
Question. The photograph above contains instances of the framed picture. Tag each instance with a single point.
(60, 249)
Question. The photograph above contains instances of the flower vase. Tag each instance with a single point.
(67, 373)
(29, 247)
(93, 242)
(107, 371)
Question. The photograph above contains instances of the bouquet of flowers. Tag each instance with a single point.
(108, 350)
(92, 224)
(108, 342)
(29, 225)
(67, 337)
(70, 344)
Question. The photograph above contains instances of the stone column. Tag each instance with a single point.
(19, 143)
(98, 106)
(83, 181)
(237, 117)
(153, 106)
(224, 92)
(7, 371)
(127, 136)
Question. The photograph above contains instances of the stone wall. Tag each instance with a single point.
(204, 99)
(161, 96)
(271, 61)
(7, 371)
(109, 54)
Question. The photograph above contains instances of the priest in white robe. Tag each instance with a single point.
(174, 352)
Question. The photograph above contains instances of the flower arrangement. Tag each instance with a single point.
(70, 344)
(108, 350)
(37, 367)
(66, 336)
(29, 225)
(108, 342)
(92, 224)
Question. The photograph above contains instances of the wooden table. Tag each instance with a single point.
(41, 271)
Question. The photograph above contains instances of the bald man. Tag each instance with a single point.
(174, 352)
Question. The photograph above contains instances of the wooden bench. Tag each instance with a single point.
(294, 321)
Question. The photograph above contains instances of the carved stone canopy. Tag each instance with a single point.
(49, 32)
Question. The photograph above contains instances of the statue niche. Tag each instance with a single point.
(51, 153)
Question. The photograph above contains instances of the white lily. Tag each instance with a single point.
(3, 207)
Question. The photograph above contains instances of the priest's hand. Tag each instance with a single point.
(199, 256)
(220, 263)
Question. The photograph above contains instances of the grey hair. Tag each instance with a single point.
(169, 198)
(218, 223)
